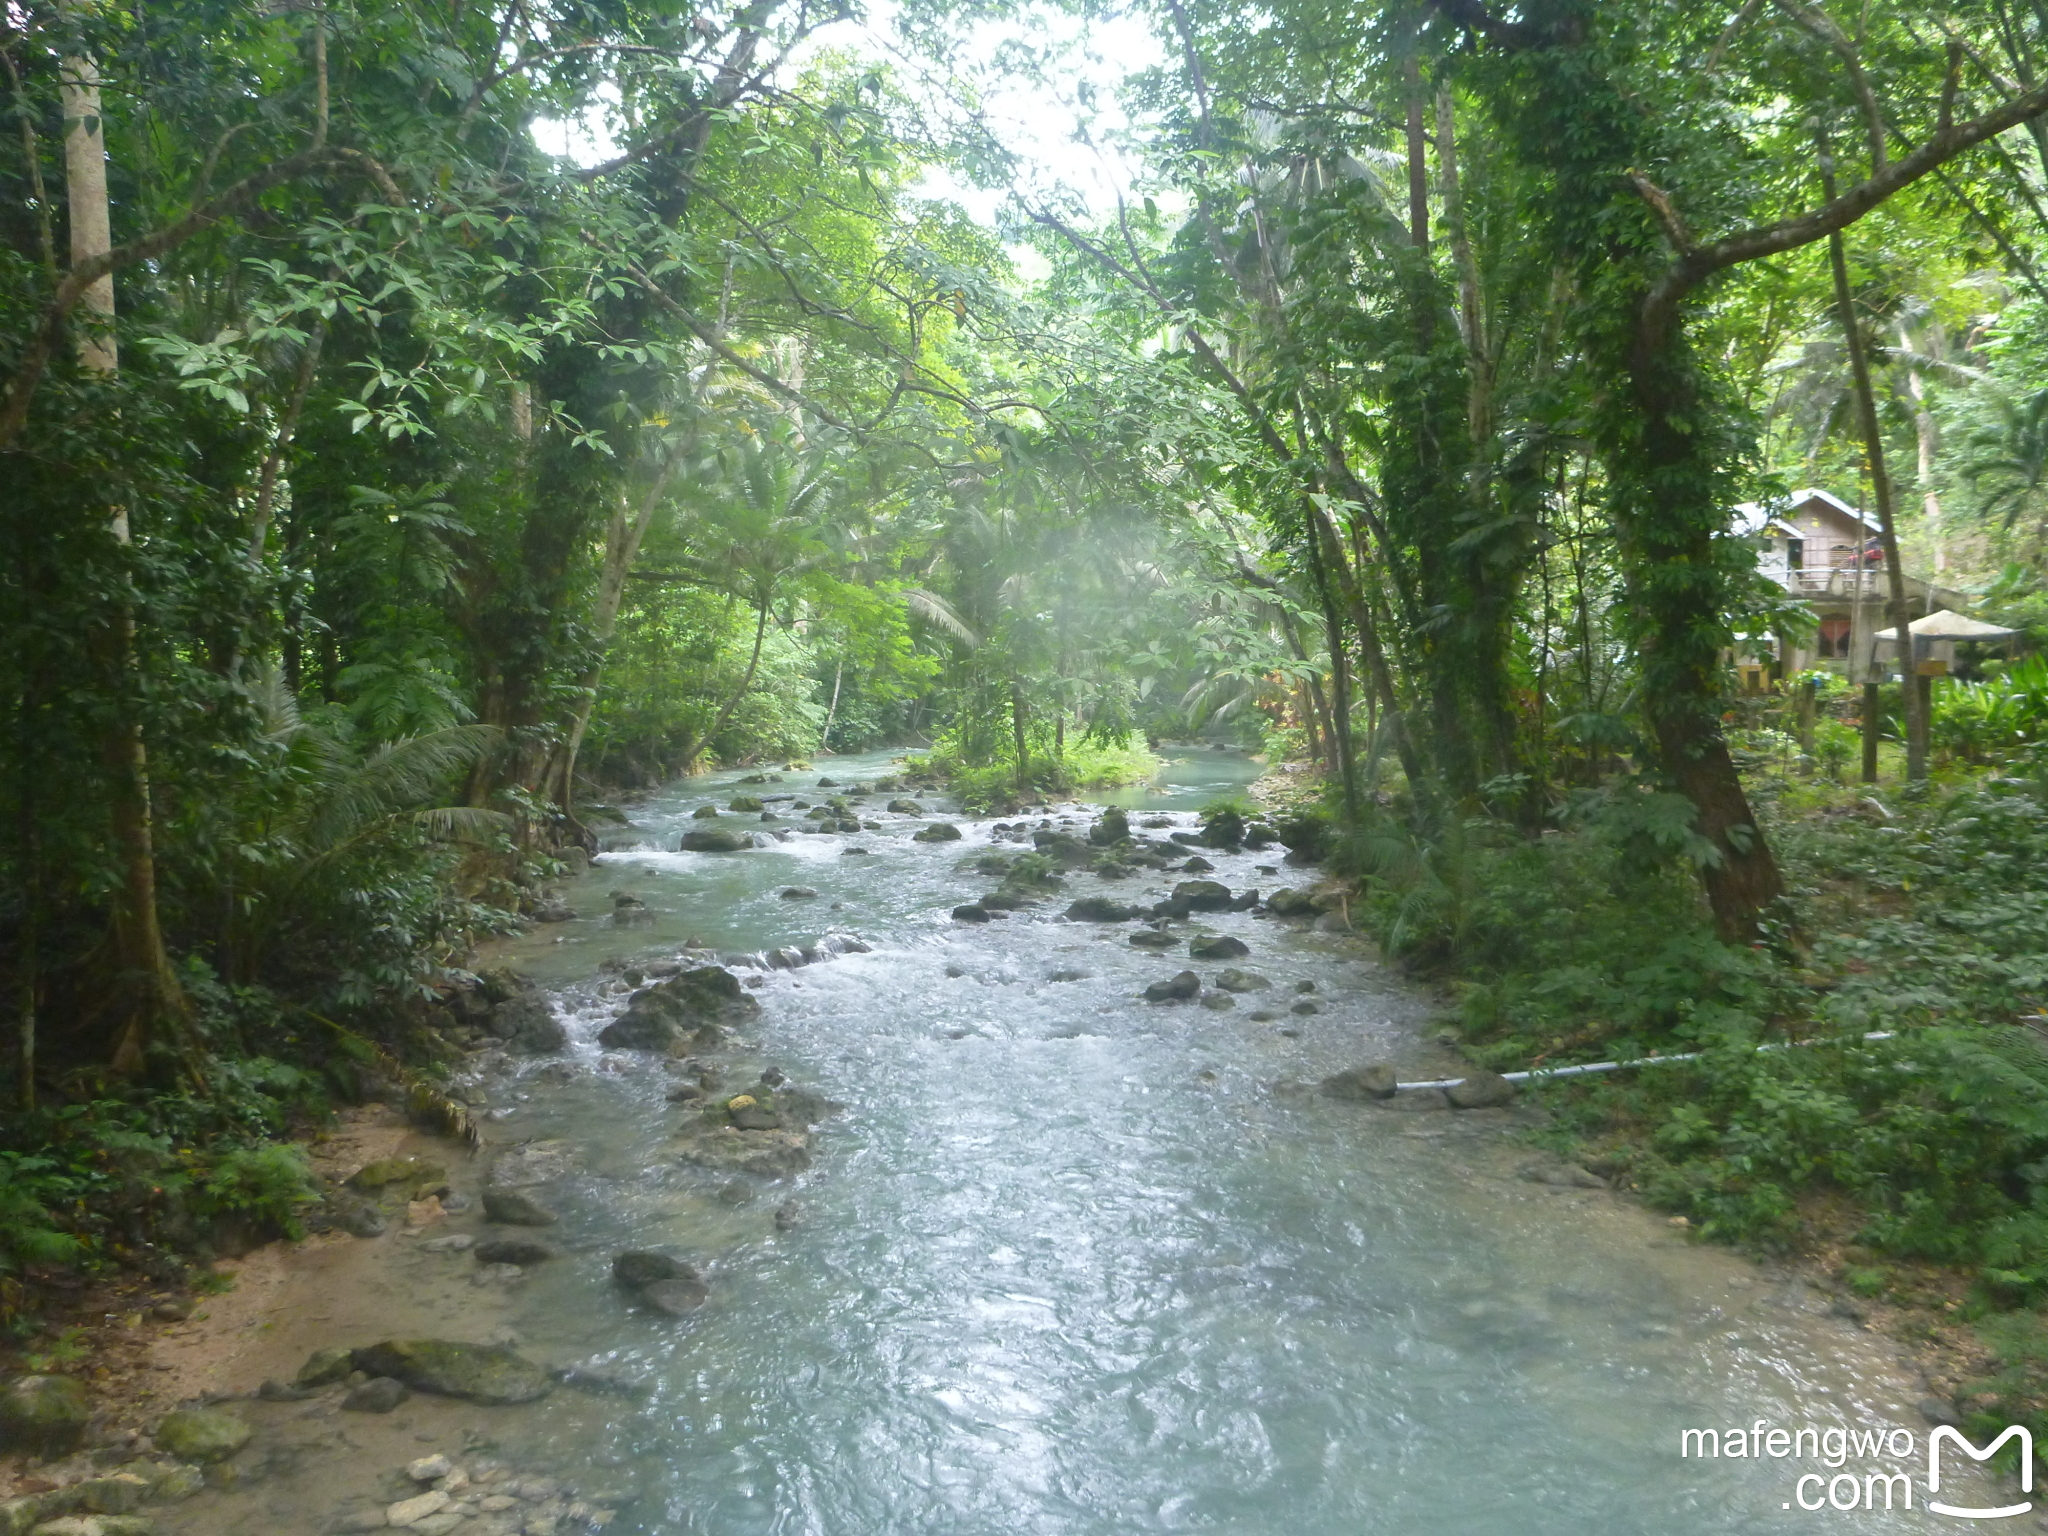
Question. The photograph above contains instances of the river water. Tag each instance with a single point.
(1072, 1264)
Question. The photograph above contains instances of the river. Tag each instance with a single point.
(1072, 1264)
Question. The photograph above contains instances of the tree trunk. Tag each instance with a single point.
(1927, 438)
(622, 542)
(1881, 491)
(1017, 732)
(149, 991)
(832, 709)
(1676, 604)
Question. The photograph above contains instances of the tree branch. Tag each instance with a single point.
(35, 361)
(1823, 26)
(1660, 305)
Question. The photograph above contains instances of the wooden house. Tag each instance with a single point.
(1825, 553)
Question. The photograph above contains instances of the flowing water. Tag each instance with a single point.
(1072, 1263)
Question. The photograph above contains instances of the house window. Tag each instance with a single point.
(1795, 554)
(1834, 637)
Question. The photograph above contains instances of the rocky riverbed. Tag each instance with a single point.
(1042, 1177)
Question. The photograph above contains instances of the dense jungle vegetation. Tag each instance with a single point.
(386, 492)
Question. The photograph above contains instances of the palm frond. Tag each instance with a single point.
(935, 610)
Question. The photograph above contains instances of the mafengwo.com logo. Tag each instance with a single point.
(1885, 1462)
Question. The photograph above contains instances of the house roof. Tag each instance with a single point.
(1756, 517)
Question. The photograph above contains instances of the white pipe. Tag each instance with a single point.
(1587, 1069)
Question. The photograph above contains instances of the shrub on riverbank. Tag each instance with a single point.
(1079, 764)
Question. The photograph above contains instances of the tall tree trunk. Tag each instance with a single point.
(1915, 697)
(832, 709)
(149, 988)
(1668, 548)
(739, 693)
(1927, 438)
(622, 540)
(1017, 734)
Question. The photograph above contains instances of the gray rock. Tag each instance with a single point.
(906, 808)
(1481, 1090)
(380, 1394)
(481, 1373)
(1201, 895)
(1100, 909)
(725, 1148)
(1218, 1002)
(745, 803)
(1154, 938)
(704, 813)
(1287, 903)
(1563, 1176)
(45, 1414)
(1935, 1411)
(1197, 866)
(716, 840)
(1176, 989)
(1306, 1008)
(970, 913)
(1374, 1081)
(797, 892)
(675, 1015)
(324, 1367)
(1234, 980)
(513, 1250)
(1218, 946)
(1067, 975)
(554, 910)
(510, 1208)
(275, 1391)
(203, 1435)
(676, 1298)
(641, 1267)
(527, 1023)
(937, 832)
(1113, 827)
(535, 1162)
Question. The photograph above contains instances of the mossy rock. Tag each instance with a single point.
(324, 1367)
(479, 1373)
(745, 803)
(43, 1413)
(204, 1435)
(386, 1171)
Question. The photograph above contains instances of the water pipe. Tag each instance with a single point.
(1587, 1069)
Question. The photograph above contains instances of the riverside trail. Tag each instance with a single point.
(1062, 1261)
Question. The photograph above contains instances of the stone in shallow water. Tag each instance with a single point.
(513, 1209)
(1218, 946)
(641, 1267)
(938, 832)
(1153, 938)
(1374, 1081)
(409, 1512)
(1218, 1002)
(970, 913)
(482, 1373)
(1234, 980)
(201, 1434)
(1176, 989)
(513, 1250)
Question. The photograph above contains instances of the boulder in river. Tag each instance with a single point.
(527, 1024)
(1154, 938)
(380, 1394)
(717, 840)
(1114, 826)
(1289, 903)
(1201, 895)
(1175, 989)
(1223, 829)
(1101, 909)
(798, 892)
(510, 1208)
(45, 1414)
(937, 832)
(685, 1012)
(513, 1250)
(1376, 1080)
(1218, 946)
(1481, 1090)
(480, 1373)
(1234, 980)
(660, 1282)
(745, 803)
(704, 813)
(713, 1142)
(534, 1162)
(201, 1434)
(905, 808)
(968, 912)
